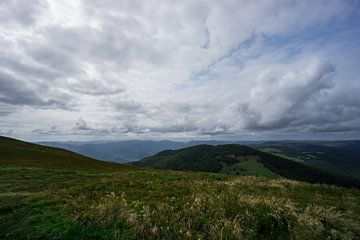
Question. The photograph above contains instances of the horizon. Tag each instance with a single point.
(183, 140)
(180, 71)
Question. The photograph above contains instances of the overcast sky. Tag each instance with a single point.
(118, 69)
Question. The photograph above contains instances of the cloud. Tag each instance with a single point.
(52, 130)
(279, 95)
(4, 113)
(17, 92)
(6, 109)
(188, 69)
(128, 105)
(23, 12)
(81, 125)
(92, 87)
(6, 132)
(82, 128)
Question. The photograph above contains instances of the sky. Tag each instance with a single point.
(189, 69)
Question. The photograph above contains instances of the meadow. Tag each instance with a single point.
(51, 193)
(135, 203)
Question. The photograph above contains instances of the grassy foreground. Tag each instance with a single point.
(39, 203)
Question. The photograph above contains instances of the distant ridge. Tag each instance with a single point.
(117, 151)
(124, 151)
(239, 160)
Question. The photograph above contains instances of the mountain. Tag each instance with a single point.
(130, 150)
(117, 151)
(239, 160)
(340, 158)
(336, 157)
(18, 153)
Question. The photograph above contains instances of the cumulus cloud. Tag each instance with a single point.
(279, 95)
(191, 69)
(18, 92)
(52, 130)
(81, 127)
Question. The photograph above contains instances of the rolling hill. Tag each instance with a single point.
(128, 150)
(240, 160)
(117, 151)
(41, 197)
(18, 153)
(337, 157)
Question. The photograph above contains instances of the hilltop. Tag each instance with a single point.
(240, 160)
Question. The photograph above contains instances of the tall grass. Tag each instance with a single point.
(221, 210)
(40, 203)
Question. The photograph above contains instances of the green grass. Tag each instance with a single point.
(281, 154)
(47, 193)
(331, 162)
(38, 203)
(248, 167)
(209, 158)
(18, 153)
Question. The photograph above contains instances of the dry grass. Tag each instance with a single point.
(154, 204)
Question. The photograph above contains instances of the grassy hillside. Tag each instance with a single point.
(337, 157)
(18, 153)
(240, 160)
(86, 199)
(161, 204)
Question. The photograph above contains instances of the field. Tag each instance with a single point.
(39, 203)
(50, 193)
(248, 166)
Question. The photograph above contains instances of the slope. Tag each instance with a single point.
(338, 157)
(18, 153)
(55, 203)
(221, 158)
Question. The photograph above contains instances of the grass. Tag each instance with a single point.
(48, 193)
(39, 203)
(331, 161)
(281, 154)
(18, 153)
(248, 167)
